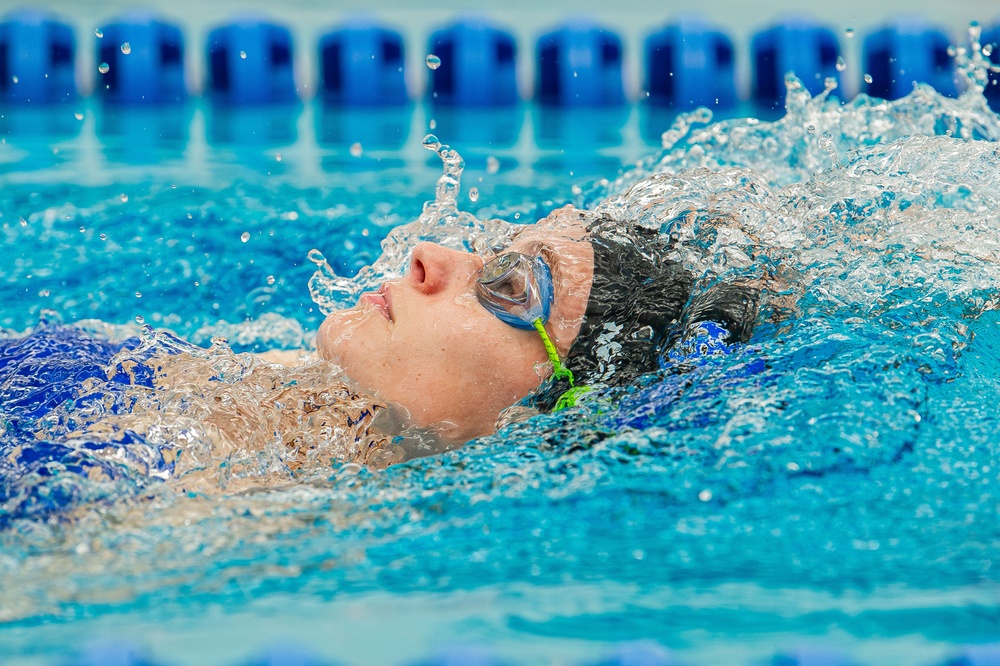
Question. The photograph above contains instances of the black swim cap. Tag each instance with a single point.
(640, 304)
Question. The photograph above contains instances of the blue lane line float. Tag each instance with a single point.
(361, 64)
(36, 59)
(475, 65)
(690, 63)
(906, 51)
(579, 64)
(250, 63)
(992, 92)
(796, 45)
(141, 61)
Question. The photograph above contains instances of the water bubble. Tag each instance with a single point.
(139, 319)
(987, 50)
(124, 197)
(126, 48)
(705, 495)
(103, 237)
(78, 115)
(868, 78)
(277, 157)
(270, 279)
(243, 55)
(810, 128)
(245, 236)
(14, 79)
(849, 33)
(103, 68)
(951, 51)
(432, 124)
(474, 194)
(431, 142)
(841, 63)
(83, 230)
(492, 165)
(44, 293)
(23, 222)
(97, 31)
(432, 61)
(365, 232)
(138, 294)
(356, 149)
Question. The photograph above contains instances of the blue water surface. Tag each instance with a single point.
(834, 481)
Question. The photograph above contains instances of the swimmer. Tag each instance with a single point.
(576, 301)
(461, 344)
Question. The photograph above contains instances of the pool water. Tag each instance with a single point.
(832, 483)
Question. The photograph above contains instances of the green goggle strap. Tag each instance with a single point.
(559, 371)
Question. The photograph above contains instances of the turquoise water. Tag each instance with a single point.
(834, 482)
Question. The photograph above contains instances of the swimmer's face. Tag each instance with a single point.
(425, 342)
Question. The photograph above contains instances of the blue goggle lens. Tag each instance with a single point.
(516, 288)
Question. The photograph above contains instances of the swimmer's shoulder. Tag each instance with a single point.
(290, 358)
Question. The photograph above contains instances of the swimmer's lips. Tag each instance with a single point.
(381, 300)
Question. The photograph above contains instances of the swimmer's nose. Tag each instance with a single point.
(434, 268)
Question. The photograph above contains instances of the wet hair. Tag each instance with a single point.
(641, 303)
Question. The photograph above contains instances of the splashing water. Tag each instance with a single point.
(843, 463)
(441, 222)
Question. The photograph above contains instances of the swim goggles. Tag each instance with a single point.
(518, 290)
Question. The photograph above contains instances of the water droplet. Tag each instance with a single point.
(951, 51)
(243, 55)
(126, 48)
(517, 216)
(432, 124)
(78, 115)
(44, 293)
(810, 128)
(365, 232)
(124, 197)
(492, 165)
(139, 319)
(245, 236)
(474, 194)
(83, 230)
(431, 142)
(432, 61)
(103, 237)
(97, 31)
(988, 50)
(868, 78)
(356, 149)
(14, 79)
(23, 222)
(849, 33)
(841, 63)
(103, 68)
(705, 495)
(270, 279)
(277, 157)
(138, 294)
(576, 190)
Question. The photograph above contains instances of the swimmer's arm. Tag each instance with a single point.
(289, 358)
